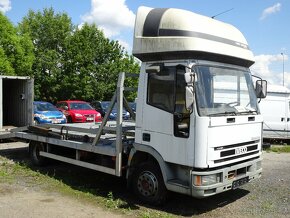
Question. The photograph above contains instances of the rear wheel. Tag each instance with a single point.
(34, 150)
(148, 184)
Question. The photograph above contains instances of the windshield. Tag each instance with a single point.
(44, 107)
(132, 105)
(224, 91)
(80, 106)
(106, 104)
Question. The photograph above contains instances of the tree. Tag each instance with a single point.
(16, 51)
(5, 65)
(71, 62)
(93, 63)
(48, 32)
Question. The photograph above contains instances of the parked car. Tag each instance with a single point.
(45, 112)
(100, 106)
(78, 111)
(133, 106)
(103, 106)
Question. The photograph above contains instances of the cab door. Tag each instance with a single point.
(165, 125)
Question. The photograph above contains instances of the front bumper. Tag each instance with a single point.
(52, 120)
(85, 119)
(231, 177)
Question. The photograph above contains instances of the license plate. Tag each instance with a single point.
(90, 118)
(240, 182)
(56, 121)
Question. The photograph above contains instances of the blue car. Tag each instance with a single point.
(102, 107)
(45, 112)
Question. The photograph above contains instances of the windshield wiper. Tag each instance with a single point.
(227, 113)
(248, 112)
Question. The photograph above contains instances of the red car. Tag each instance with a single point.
(78, 111)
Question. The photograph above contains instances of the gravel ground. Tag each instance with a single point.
(267, 197)
(19, 199)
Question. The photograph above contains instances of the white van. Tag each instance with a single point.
(275, 109)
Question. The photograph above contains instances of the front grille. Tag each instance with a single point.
(235, 145)
(235, 157)
(236, 151)
(227, 153)
(89, 115)
(59, 117)
(233, 151)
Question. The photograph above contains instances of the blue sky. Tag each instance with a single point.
(263, 22)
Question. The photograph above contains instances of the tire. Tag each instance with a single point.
(35, 122)
(148, 184)
(69, 119)
(34, 149)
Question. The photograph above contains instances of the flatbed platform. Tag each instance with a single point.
(76, 136)
(99, 146)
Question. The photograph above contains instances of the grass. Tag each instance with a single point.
(100, 190)
(11, 173)
(267, 206)
(279, 149)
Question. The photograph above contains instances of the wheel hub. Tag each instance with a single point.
(147, 184)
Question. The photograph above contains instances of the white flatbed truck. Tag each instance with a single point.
(191, 135)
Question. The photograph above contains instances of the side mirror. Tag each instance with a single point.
(261, 88)
(189, 97)
(65, 108)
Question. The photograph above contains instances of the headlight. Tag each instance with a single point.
(207, 179)
(41, 116)
(78, 115)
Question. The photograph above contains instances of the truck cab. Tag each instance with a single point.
(198, 124)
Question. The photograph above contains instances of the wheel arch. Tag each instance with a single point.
(140, 154)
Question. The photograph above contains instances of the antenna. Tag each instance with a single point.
(222, 13)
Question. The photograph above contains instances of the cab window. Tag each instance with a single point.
(161, 89)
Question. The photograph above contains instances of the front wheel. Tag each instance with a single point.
(148, 184)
